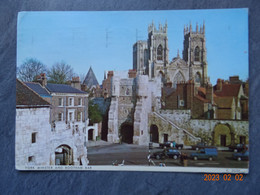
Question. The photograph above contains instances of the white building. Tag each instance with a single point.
(37, 142)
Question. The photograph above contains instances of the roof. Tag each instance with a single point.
(62, 88)
(228, 90)
(90, 79)
(202, 99)
(224, 102)
(26, 97)
(168, 90)
(37, 87)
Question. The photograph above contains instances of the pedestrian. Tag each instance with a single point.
(149, 159)
(173, 144)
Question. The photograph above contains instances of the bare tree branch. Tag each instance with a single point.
(60, 73)
(30, 69)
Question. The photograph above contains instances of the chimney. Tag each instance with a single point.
(209, 93)
(75, 82)
(42, 79)
(169, 84)
(219, 84)
(131, 73)
(234, 79)
(190, 94)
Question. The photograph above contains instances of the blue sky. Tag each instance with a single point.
(104, 40)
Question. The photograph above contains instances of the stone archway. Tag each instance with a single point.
(154, 134)
(63, 155)
(222, 135)
(127, 133)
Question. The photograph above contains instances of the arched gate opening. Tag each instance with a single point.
(63, 155)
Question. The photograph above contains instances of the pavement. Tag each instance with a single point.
(97, 143)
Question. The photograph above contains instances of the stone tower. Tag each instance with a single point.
(158, 52)
(195, 54)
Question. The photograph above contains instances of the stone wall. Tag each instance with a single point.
(36, 120)
(28, 121)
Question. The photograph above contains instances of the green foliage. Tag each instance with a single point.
(94, 113)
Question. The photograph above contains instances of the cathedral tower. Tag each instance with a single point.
(158, 52)
(195, 53)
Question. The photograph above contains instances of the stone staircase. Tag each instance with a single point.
(193, 137)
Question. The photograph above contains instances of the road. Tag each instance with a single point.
(137, 155)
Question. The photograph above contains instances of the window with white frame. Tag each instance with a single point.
(71, 101)
(79, 117)
(60, 101)
(80, 101)
(70, 116)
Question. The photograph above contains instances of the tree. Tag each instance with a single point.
(94, 113)
(60, 73)
(30, 68)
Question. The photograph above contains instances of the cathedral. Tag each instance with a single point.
(151, 57)
(161, 99)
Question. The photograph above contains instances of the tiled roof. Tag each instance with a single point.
(62, 88)
(90, 79)
(202, 90)
(37, 87)
(168, 90)
(26, 97)
(224, 102)
(228, 90)
(202, 99)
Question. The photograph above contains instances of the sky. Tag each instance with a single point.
(104, 40)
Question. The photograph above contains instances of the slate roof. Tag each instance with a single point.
(62, 88)
(228, 90)
(37, 87)
(26, 97)
(90, 79)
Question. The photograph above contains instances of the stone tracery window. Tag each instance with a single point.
(159, 52)
(197, 78)
(197, 54)
(177, 79)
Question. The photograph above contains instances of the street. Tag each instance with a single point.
(137, 155)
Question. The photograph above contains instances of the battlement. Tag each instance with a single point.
(161, 29)
(199, 29)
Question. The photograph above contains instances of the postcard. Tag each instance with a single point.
(133, 91)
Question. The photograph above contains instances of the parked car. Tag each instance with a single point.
(205, 153)
(170, 144)
(199, 146)
(166, 153)
(238, 147)
(241, 156)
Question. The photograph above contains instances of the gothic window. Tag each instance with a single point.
(197, 78)
(159, 52)
(177, 79)
(197, 54)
